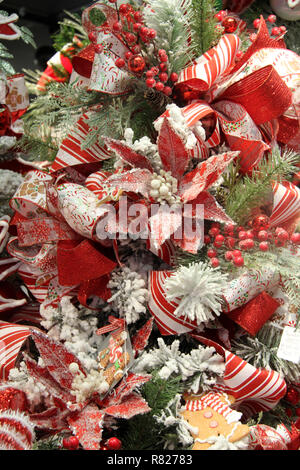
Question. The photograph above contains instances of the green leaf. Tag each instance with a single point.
(6, 67)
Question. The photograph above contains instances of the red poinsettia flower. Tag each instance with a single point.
(86, 419)
(174, 186)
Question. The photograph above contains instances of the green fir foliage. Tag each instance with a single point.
(69, 27)
(203, 25)
(158, 393)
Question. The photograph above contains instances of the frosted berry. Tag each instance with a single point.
(150, 82)
(228, 256)
(128, 55)
(92, 36)
(117, 27)
(238, 261)
(164, 58)
(256, 23)
(152, 33)
(207, 239)
(282, 29)
(215, 262)
(159, 86)
(99, 48)
(71, 443)
(283, 235)
(262, 235)
(214, 231)
(163, 77)
(272, 19)
(292, 396)
(167, 90)
(230, 242)
(211, 253)
(137, 27)
(219, 239)
(174, 77)
(123, 9)
(120, 63)
(275, 31)
(242, 235)
(264, 246)
(295, 238)
(236, 253)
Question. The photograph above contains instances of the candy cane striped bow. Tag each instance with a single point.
(71, 152)
(100, 68)
(286, 205)
(12, 338)
(237, 98)
(254, 389)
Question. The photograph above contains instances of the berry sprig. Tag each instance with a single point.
(231, 241)
(276, 30)
(131, 29)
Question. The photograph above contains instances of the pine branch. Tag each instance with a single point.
(172, 21)
(203, 25)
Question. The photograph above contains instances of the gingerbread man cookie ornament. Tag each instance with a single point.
(217, 423)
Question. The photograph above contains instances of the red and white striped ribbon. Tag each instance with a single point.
(71, 152)
(214, 63)
(255, 389)
(286, 203)
(163, 310)
(12, 338)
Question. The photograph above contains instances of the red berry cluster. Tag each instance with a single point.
(276, 30)
(131, 29)
(239, 239)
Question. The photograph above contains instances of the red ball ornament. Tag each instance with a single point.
(128, 55)
(71, 443)
(174, 77)
(261, 222)
(219, 239)
(292, 396)
(283, 235)
(136, 64)
(230, 24)
(114, 443)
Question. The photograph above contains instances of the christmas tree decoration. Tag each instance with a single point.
(149, 231)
